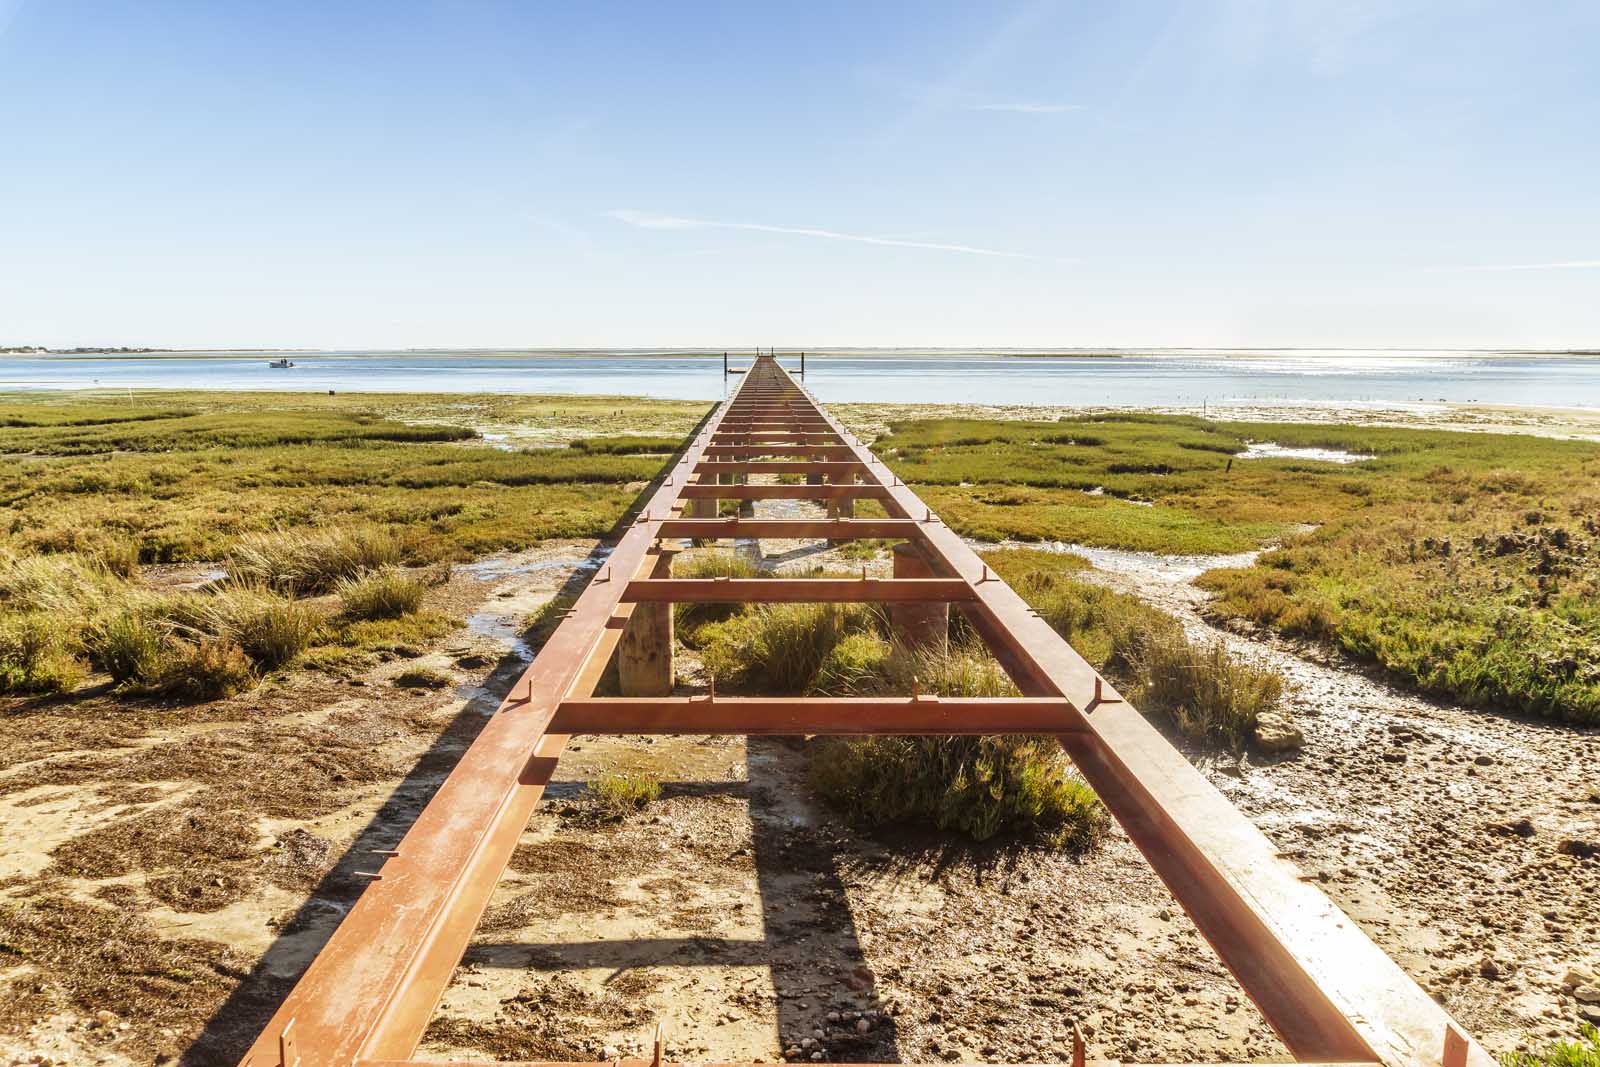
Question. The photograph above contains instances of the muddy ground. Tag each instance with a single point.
(168, 873)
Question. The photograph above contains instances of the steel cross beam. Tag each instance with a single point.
(1328, 991)
(790, 716)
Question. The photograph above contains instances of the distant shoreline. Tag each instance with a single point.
(819, 353)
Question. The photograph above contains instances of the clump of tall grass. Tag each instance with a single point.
(147, 654)
(189, 645)
(1209, 692)
(209, 669)
(781, 646)
(1086, 615)
(119, 557)
(382, 594)
(38, 654)
(311, 561)
(130, 645)
(978, 786)
(960, 670)
(66, 583)
(617, 794)
(854, 665)
(274, 629)
(688, 618)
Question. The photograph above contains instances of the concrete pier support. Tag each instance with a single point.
(747, 508)
(843, 507)
(697, 508)
(917, 625)
(644, 655)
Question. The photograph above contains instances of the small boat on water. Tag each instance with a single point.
(282, 364)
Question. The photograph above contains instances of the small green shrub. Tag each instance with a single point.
(1584, 1052)
(382, 594)
(209, 669)
(422, 678)
(781, 647)
(619, 793)
(38, 655)
(311, 561)
(1209, 692)
(854, 665)
(979, 786)
(62, 584)
(688, 618)
(130, 646)
(275, 631)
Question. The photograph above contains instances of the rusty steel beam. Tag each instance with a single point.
(842, 491)
(756, 437)
(796, 590)
(779, 466)
(831, 529)
(1328, 991)
(803, 451)
(789, 716)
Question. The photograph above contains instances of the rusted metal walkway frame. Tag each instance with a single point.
(1330, 994)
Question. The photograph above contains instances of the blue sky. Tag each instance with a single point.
(1374, 173)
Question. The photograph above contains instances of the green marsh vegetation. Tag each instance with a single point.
(63, 616)
(1465, 564)
(1584, 1052)
(168, 478)
(326, 513)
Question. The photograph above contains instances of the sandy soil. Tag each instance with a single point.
(169, 873)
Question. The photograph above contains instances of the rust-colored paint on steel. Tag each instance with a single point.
(838, 529)
(1328, 991)
(719, 451)
(843, 491)
(773, 466)
(789, 716)
(797, 590)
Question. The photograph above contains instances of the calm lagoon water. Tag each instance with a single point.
(1133, 378)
